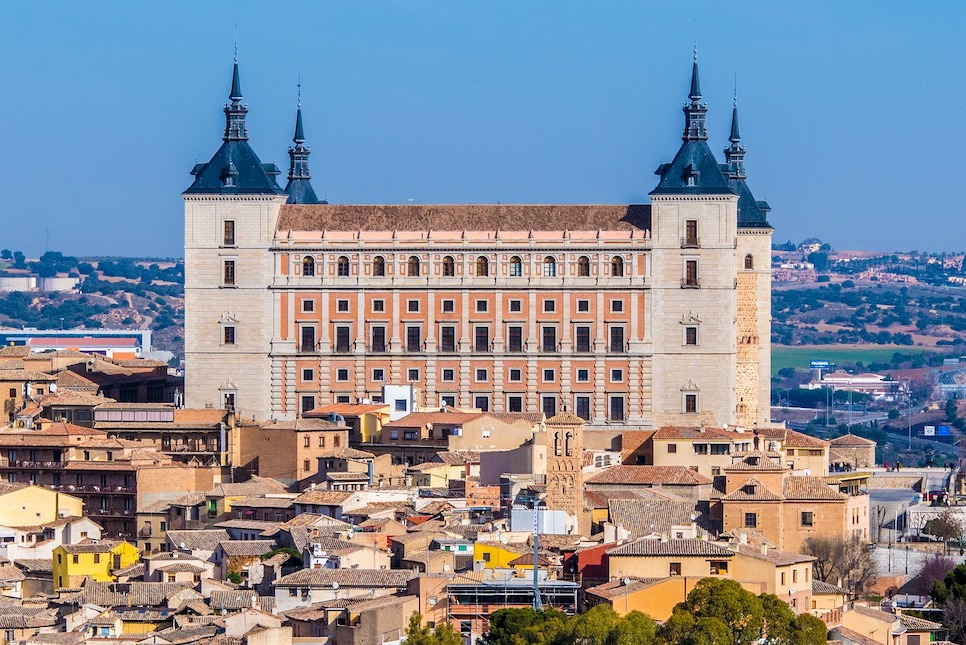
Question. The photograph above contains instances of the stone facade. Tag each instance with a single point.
(626, 315)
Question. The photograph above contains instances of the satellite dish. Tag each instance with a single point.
(335, 586)
(53, 387)
(182, 545)
(505, 539)
(446, 568)
(627, 581)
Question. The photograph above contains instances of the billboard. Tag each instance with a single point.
(929, 431)
(943, 431)
(820, 365)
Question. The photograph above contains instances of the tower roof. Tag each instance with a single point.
(751, 212)
(235, 168)
(694, 170)
(299, 187)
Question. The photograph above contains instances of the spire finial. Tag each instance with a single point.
(695, 94)
(236, 42)
(299, 86)
(735, 136)
(694, 112)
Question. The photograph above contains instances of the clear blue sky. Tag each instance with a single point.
(852, 112)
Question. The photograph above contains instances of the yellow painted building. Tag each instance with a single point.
(656, 598)
(72, 563)
(32, 505)
(496, 555)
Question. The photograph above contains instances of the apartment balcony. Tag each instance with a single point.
(103, 490)
(690, 243)
(32, 465)
(111, 512)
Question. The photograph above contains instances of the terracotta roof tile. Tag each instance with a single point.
(658, 548)
(346, 578)
(649, 475)
(810, 488)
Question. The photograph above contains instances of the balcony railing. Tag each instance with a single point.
(690, 243)
(20, 463)
(690, 283)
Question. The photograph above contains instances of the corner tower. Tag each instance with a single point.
(299, 188)
(753, 286)
(694, 212)
(231, 209)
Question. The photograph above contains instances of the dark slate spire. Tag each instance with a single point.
(235, 169)
(694, 170)
(235, 111)
(299, 187)
(695, 111)
(735, 153)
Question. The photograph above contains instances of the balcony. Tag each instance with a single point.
(35, 465)
(111, 512)
(690, 243)
(145, 531)
(690, 283)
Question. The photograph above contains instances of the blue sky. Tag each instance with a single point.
(852, 112)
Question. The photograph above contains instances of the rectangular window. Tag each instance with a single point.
(691, 403)
(549, 306)
(672, 448)
(482, 403)
(691, 233)
(481, 306)
(617, 376)
(447, 338)
(378, 374)
(379, 305)
(228, 238)
(617, 339)
(582, 407)
(308, 339)
(229, 334)
(515, 339)
(76, 559)
(583, 376)
(449, 306)
(412, 306)
(414, 339)
(448, 400)
(549, 405)
(582, 338)
(378, 339)
(617, 408)
(342, 306)
(342, 343)
(308, 403)
(719, 567)
(482, 339)
(321, 441)
(516, 375)
(228, 273)
(674, 569)
(516, 306)
(808, 519)
(616, 306)
(401, 405)
(481, 374)
(690, 335)
(751, 521)
(549, 339)
(449, 374)
(342, 374)
(412, 374)
(583, 306)
(549, 375)
(690, 273)
(308, 306)
(514, 403)
(306, 464)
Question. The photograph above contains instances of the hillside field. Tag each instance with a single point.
(798, 357)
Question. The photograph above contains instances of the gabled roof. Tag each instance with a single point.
(757, 461)
(643, 517)
(649, 476)
(824, 588)
(852, 440)
(565, 419)
(246, 548)
(752, 491)
(810, 488)
(204, 539)
(658, 548)
(346, 578)
(689, 432)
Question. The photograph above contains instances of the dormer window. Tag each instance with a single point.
(749, 489)
(752, 461)
(691, 176)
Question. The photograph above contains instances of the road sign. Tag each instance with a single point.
(943, 431)
(929, 431)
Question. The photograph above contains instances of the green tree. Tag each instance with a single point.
(809, 630)
(633, 629)
(728, 602)
(524, 626)
(593, 627)
(779, 618)
(443, 634)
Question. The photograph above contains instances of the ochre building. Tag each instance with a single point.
(631, 314)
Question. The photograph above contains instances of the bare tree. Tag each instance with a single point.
(934, 567)
(946, 526)
(954, 619)
(840, 560)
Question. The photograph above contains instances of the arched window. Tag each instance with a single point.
(482, 266)
(617, 267)
(413, 266)
(583, 266)
(342, 266)
(379, 266)
(749, 262)
(516, 266)
(449, 266)
(549, 267)
(308, 265)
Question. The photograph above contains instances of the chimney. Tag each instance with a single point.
(743, 537)
(764, 549)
